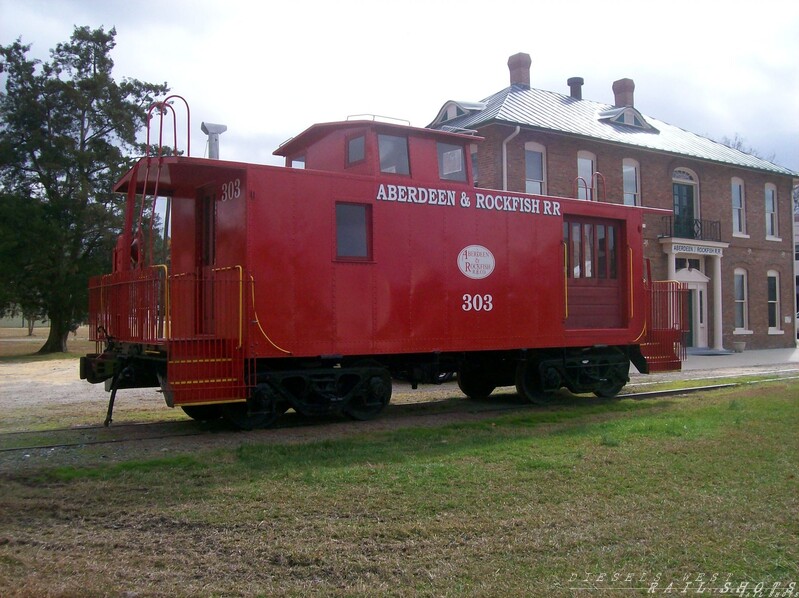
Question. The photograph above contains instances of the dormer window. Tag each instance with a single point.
(629, 117)
(454, 111)
(625, 116)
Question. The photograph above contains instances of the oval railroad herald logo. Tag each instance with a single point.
(476, 261)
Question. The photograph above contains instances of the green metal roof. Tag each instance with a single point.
(549, 111)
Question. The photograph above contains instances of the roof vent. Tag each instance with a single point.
(519, 67)
(213, 131)
(576, 87)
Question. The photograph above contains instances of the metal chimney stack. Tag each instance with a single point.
(213, 131)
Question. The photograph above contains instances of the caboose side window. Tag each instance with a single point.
(353, 231)
(393, 154)
(356, 150)
(451, 166)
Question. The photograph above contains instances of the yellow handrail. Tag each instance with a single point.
(632, 290)
(167, 314)
(258, 322)
(566, 279)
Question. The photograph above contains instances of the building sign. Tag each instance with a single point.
(698, 249)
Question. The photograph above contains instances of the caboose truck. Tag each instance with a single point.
(371, 255)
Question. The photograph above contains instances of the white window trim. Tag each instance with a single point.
(745, 274)
(537, 147)
(693, 180)
(637, 168)
(772, 187)
(590, 192)
(737, 181)
(775, 329)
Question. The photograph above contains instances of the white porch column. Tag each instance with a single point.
(718, 328)
(672, 274)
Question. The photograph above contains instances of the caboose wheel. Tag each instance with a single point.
(529, 384)
(261, 410)
(203, 413)
(375, 396)
(474, 383)
(614, 377)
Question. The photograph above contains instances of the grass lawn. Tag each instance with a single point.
(565, 501)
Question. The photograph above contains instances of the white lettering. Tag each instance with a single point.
(477, 302)
(482, 201)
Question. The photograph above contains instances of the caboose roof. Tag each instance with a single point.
(318, 131)
(558, 113)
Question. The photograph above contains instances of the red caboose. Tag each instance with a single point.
(370, 255)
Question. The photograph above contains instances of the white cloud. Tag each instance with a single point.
(269, 70)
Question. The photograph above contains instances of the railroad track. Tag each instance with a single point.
(24, 441)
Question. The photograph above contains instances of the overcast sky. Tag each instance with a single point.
(268, 70)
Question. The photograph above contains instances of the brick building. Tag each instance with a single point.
(728, 234)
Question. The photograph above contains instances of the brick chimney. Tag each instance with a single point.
(576, 87)
(519, 67)
(623, 90)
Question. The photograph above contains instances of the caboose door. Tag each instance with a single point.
(594, 297)
(206, 258)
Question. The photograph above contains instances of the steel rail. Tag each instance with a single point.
(393, 409)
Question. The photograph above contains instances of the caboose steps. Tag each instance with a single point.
(204, 370)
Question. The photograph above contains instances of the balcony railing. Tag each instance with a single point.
(691, 228)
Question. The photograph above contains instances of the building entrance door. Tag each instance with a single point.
(697, 306)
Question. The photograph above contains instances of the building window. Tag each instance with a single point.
(738, 207)
(451, 166)
(534, 168)
(586, 162)
(773, 298)
(298, 162)
(685, 192)
(356, 150)
(475, 171)
(772, 228)
(741, 301)
(629, 172)
(353, 231)
(393, 154)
